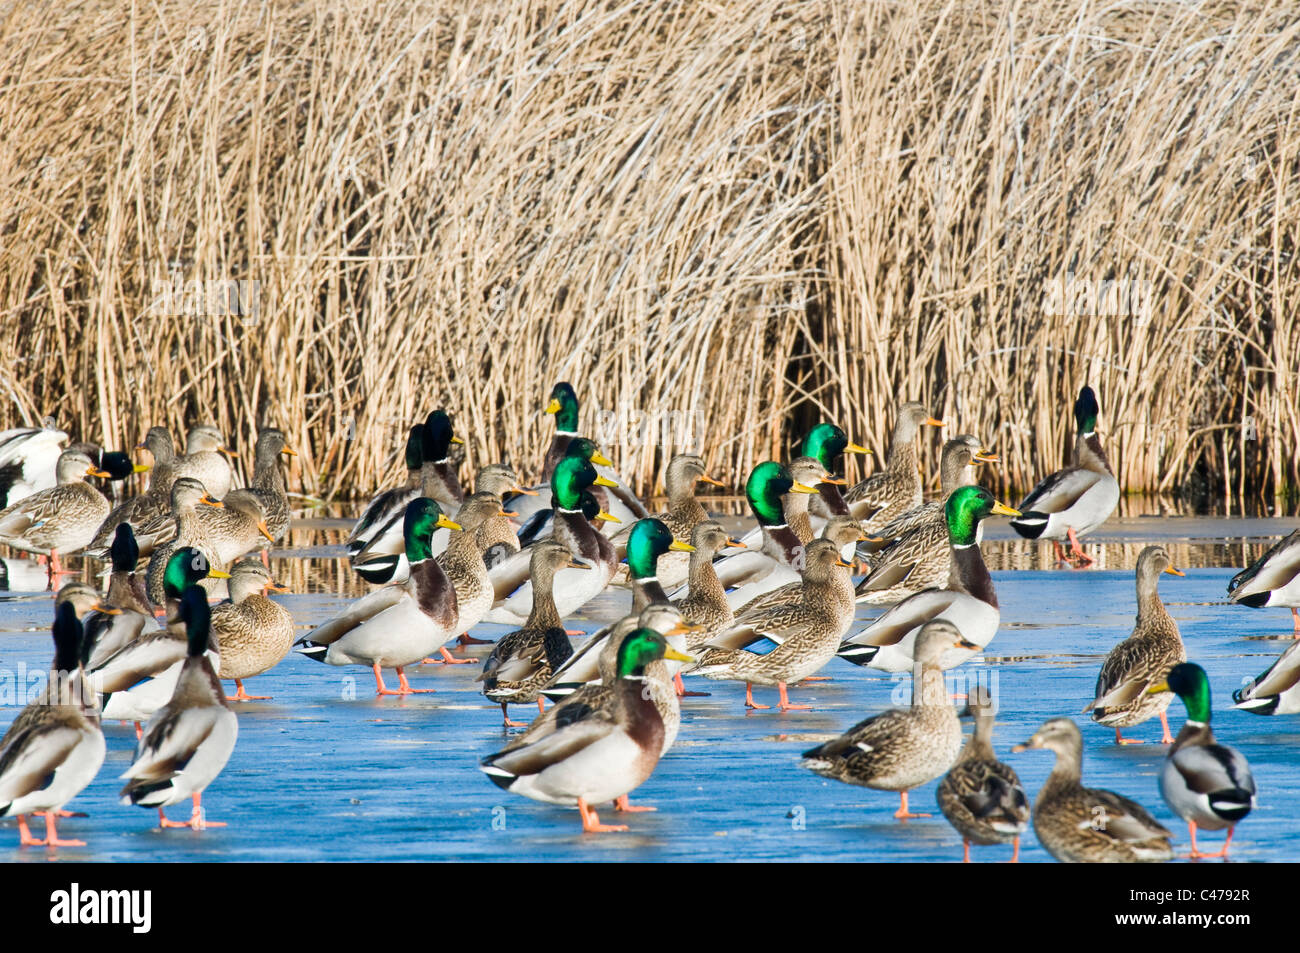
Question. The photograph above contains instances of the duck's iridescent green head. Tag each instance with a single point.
(415, 448)
(965, 508)
(422, 517)
(1189, 681)
(649, 540)
(1085, 411)
(586, 449)
(767, 483)
(437, 438)
(185, 567)
(67, 638)
(125, 551)
(197, 618)
(564, 404)
(825, 442)
(572, 476)
(641, 647)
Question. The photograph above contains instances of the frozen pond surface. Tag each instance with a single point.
(325, 771)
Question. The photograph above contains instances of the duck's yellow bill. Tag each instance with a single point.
(672, 653)
(1003, 510)
(681, 628)
(218, 574)
(604, 481)
(276, 587)
(140, 468)
(96, 471)
(228, 452)
(553, 407)
(524, 490)
(681, 547)
(828, 478)
(457, 440)
(288, 453)
(934, 422)
(574, 564)
(107, 610)
(445, 523)
(265, 530)
(737, 544)
(601, 460)
(209, 501)
(1157, 689)
(1174, 572)
(607, 517)
(705, 478)
(856, 448)
(800, 488)
(985, 456)
(839, 561)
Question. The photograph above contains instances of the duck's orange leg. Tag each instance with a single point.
(1165, 738)
(624, 805)
(25, 838)
(749, 697)
(1015, 851)
(903, 813)
(404, 687)
(681, 689)
(1076, 551)
(965, 852)
(785, 705)
(448, 659)
(52, 835)
(1121, 740)
(591, 823)
(241, 696)
(468, 639)
(505, 714)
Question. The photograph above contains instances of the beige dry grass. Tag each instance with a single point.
(748, 214)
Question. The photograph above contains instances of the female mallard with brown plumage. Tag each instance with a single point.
(62, 519)
(980, 796)
(902, 748)
(1079, 825)
(524, 660)
(187, 495)
(1141, 660)
(805, 634)
(893, 491)
(268, 482)
(685, 472)
(253, 632)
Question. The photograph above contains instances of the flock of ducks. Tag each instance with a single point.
(770, 609)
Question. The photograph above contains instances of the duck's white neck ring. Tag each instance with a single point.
(566, 433)
(1195, 724)
(1090, 434)
(962, 545)
(562, 510)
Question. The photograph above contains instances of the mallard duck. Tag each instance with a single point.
(83, 598)
(903, 748)
(268, 481)
(483, 524)
(685, 472)
(1073, 502)
(980, 796)
(253, 633)
(762, 568)
(620, 502)
(969, 601)
(911, 553)
(807, 473)
(896, 489)
(844, 531)
(649, 541)
(705, 604)
(387, 508)
(153, 504)
(187, 495)
(826, 443)
(205, 459)
(397, 625)
(600, 754)
(62, 519)
(1272, 580)
(54, 748)
(806, 634)
(28, 459)
(140, 677)
(1275, 692)
(573, 587)
(1207, 784)
(235, 528)
(537, 518)
(125, 613)
(523, 661)
(1079, 825)
(438, 470)
(1141, 660)
(117, 464)
(189, 740)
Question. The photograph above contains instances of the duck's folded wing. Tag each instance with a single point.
(366, 607)
(864, 736)
(914, 519)
(1281, 677)
(1206, 769)
(1273, 570)
(31, 756)
(1116, 816)
(584, 664)
(739, 569)
(1122, 679)
(1059, 491)
(133, 663)
(553, 748)
(915, 611)
(510, 573)
(170, 741)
